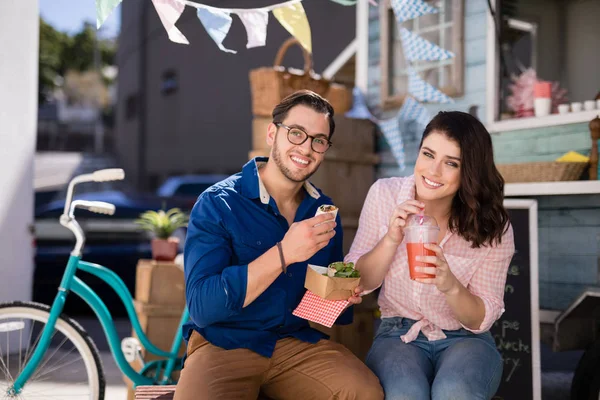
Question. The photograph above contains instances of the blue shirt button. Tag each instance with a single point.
(290, 274)
(258, 243)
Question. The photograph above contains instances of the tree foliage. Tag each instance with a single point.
(60, 52)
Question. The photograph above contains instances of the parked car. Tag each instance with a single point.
(189, 186)
(113, 241)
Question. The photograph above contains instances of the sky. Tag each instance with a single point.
(69, 15)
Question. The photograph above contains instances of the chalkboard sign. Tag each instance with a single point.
(517, 333)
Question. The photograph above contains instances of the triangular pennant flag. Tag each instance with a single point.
(391, 131)
(293, 18)
(416, 48)
(217, 24)
(409, 9)
(423, 91)
(412, 110)
(103, 10)
(255, 22)
(169, 12)
(345, 2)
(359, 107)
(352, 2)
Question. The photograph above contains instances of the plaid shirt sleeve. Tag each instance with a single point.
(489, 280)
(370, 219)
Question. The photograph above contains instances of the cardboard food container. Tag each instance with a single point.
(327, 287)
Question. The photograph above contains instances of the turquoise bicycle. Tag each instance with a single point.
(38, 341)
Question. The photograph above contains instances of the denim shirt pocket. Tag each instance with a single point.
(248, 248)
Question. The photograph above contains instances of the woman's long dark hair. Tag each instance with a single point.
(477, 212)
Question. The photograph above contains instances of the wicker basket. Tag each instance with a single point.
(270, 85)
(550, 171)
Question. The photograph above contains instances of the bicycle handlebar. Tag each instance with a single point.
(98, 207)
(111, 174)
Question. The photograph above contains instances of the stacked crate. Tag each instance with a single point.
(159, 303)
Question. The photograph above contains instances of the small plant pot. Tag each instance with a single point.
(165, 249)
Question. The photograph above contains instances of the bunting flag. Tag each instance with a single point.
(359, 107)
(412, 110)
(293, 18)
(353, 2)
(169, 12)
(103, 9)
(255, 22)
(423, 91)
(416, 48)
(391, 131)
(409, 9)
(217, 24)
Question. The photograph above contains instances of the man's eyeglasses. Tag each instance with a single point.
(297, 136)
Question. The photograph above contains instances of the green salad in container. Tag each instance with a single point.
(341, 269)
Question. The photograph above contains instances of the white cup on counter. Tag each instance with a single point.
(576, 106)
(542, 106)
(589, 105)
(563, 108)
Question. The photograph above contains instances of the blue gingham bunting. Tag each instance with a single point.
(391, 131)
(412, 110)
(409, 9)
(359, 107)
(416, 48)
(423, 91)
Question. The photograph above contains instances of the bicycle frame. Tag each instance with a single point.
(71, 283)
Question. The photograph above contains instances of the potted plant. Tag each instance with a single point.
(162, 224)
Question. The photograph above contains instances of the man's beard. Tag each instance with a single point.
(286, 171)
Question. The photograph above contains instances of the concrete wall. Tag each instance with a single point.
(19, 32)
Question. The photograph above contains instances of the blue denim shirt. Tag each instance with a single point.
(233, 223)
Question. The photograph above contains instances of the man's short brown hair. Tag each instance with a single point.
(307, 98)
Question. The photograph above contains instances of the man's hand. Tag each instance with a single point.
(306, 238)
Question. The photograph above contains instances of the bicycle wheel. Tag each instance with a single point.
(71, 367)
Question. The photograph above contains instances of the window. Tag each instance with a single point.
(551, 40)
(169, 82)
(444, 29)
(519, 46)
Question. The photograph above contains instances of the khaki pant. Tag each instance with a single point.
(296, 371)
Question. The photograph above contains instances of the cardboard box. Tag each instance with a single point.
(160, 283)
(327, 287)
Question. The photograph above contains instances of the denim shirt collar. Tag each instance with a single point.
(253, 187)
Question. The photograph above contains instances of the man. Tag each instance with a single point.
(249, 241)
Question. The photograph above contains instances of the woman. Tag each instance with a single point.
(433, 342)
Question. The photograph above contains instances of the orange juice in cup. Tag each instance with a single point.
(420, 230)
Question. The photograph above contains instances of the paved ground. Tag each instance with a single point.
(556, 376)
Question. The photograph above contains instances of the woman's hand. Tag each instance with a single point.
(444, 280)
(356, 297)
(395, 233)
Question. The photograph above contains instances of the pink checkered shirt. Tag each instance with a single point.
(482, 271)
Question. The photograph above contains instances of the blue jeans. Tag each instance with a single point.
(463, 366)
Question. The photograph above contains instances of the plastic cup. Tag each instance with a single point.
(419, 231)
